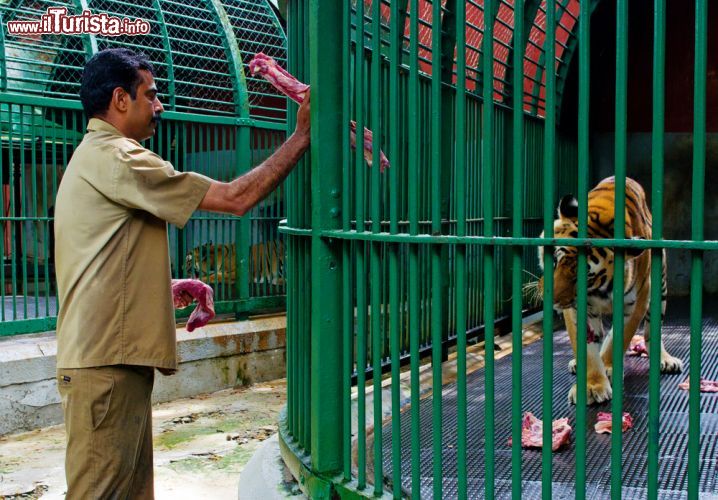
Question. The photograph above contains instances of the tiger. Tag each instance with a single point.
(217, 263)
(637, 282)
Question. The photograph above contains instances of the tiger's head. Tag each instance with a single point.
(600, 260)
(210, 263)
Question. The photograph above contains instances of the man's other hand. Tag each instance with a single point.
(303, 120)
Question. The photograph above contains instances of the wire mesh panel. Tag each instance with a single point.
(257, 29)
(39, 64)
(199, 49)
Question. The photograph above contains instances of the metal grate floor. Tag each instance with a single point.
(673, 460)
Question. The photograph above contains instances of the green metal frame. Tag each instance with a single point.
(28, 113)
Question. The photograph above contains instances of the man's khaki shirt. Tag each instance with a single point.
(112, 254)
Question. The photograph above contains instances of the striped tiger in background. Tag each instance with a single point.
(637, 282)
(212, 263)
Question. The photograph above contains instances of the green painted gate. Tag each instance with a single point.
(395, 267)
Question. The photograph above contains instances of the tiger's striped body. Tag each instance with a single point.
(637, 281)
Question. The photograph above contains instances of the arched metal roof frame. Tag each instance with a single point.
(240, 106)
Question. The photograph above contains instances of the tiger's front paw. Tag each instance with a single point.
(595, 393)
(599, 391)
(572, 366)
(669, 364)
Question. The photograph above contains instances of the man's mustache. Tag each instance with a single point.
(156, 118)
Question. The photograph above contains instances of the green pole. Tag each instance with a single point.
(377, 336)
(328, 121)
(654, 356)
(697, 233)
(413, 210)
(487, 166)
(619, 254)
(582, 278)
(461, 288)
(436, 265)
(548, 205)
(518, 208)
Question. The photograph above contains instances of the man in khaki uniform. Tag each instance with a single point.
(116, 320)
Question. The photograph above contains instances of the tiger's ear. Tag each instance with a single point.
(568, 207)
(633, 252)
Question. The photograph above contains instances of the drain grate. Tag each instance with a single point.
(673, 460)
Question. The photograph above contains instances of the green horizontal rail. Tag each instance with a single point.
(708, 245)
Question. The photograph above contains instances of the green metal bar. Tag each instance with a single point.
(361, 277)
(397, 17)
(348, 303)
(697, 233)
(548, 206)
(425, 239)
(24, 326)
(34, 215)
(325, 53)
(2, 236)
(517, 231)
(487, 187)
(242, 264)
(657, 179)
(437, 319)
(3, 58)
(13, 243)
(23, 209)
(89, 41)
(293, 282)
(234, 56)
(461, 285)
(413, 201)
(45, 226)
(619, 256)
(584, 49)
(376, 274)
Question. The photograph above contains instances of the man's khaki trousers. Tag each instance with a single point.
(108, 418)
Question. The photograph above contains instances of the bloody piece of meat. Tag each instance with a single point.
(706, 385)
(637, 347)
(268, 68)
(604, 424)
(532, 432)
(203, 294)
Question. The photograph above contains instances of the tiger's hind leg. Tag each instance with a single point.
(669, 364)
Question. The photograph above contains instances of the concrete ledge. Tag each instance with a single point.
(218, 356)
(266, 476)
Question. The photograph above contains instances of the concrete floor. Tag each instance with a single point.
(201, 446)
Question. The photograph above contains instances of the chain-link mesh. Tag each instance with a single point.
(35, 62)
(186, 44)
(257, 29)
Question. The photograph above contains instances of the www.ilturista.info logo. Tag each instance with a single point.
(57, 21)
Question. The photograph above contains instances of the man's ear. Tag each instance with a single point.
(120, 99)
(568, 207)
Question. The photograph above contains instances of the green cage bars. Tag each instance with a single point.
(389, 270)
(219, 121)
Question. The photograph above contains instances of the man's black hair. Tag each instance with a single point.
(107, 70)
